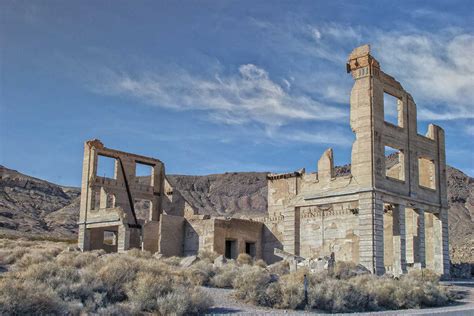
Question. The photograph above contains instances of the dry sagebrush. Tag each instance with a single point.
(44, 280)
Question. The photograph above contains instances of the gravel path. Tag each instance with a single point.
(225, 303)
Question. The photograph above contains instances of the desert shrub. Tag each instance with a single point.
(173, 261)
(208, 255)
(261, 263)
(292, 292)
(12, 256)
(251, 284)
(33, 257)
(244, 258)
(114, 274)
(138, 253)
(389, 293)
(281, 267)
(118, 309)
(78, 259)
(201, 272)
(424, 275)
(184, 301)
(50, 273)
(225, 276)
(344, 270)
(27, 298)
(146, 289)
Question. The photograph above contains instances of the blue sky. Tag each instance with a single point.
(216, 86)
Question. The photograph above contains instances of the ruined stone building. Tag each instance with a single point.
(389, 215)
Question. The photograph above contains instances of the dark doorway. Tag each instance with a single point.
(250, 249)
(230, 249)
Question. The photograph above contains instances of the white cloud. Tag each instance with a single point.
(435, 68)
(249, 96)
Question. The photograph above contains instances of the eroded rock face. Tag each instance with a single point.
(35, 206)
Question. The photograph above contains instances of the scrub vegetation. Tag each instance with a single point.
(51, 278)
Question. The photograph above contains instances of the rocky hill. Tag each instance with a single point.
(33, 206)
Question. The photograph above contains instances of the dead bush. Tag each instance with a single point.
(424, 275)
(261, 263)
(28, 298)
(184, 301)
(281, 267)
(78, 259)
(12, 256)
(201, 272)
(138, 253)
(115, 273)
(344, 270)
(173, 261)
(292, 292)
(225, 276)
(208, 255)
(251, 284)
(244, 258)
(146, 289)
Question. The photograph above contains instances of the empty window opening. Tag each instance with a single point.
(110, 238)
(392, 109)
(143, 173)
(426, 173)
(106, 167)
(394, 163)
(231, 249)
(250, 249)
(143, 209)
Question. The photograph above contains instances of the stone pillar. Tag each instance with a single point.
(429, 241)
(291, 229)
(399, 259)
(123, 238)
(371, 247)
(420, 256)
(83, 238)
(440, 241)
(411, 230)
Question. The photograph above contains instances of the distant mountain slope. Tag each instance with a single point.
(36, 207)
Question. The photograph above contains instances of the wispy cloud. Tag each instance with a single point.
(248, 96)
(435, 68)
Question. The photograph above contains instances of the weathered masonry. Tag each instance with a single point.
(108, 218)
(388, 213)
(125, 210)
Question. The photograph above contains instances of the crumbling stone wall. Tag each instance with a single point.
(374, 228)
(109, 203)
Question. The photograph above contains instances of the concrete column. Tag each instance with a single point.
(371, 247)
(123, 238)
(421, 255)
(411, 230)
(291, 231)
(440, 243)
(83, 238)
(429, 241)
(399, 258)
